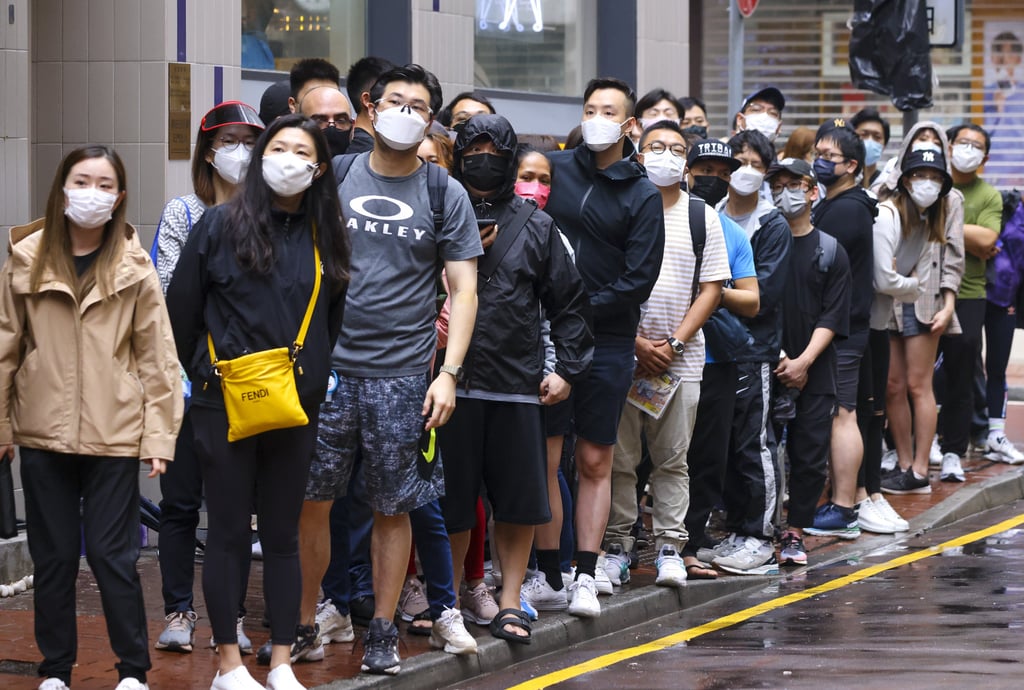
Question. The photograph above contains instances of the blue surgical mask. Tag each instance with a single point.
(825, 171)
(872, 151)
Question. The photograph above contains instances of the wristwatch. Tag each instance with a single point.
(456, 371)
(678, 346)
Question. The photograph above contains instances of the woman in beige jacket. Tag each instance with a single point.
(90, 385)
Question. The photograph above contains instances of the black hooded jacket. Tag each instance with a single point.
(615, 223)
(505, 354)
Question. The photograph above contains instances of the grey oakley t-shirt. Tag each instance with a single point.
(388, 329)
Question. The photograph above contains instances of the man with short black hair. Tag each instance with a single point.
(848, 213)
(669, 349)
(612, 215)
(694, 116)
(873, 130)
(307, 74)
(384, 364)
(464, 106)
(362, 75)
(751, 485)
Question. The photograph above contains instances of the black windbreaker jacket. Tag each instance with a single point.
(771, 245)
(506, 354)
(615, 224)
(247, 312)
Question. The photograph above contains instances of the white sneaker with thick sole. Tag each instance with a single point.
(237, 679)
(53, 684)
(131, 684)
(871, 519)
(935, 453)
(449, 633)
(671, 571)
(282, 677)
(616, 564)
(602, 582)
(1000, 449)
(723, 548)
(890, 514)
(755, 557)
(334, 627)
(951, 471)
(583, 598)
(541, 596)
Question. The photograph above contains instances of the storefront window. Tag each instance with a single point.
(278, 33)
(538, 46)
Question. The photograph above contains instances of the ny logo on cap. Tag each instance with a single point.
(928, 156)
(839, 122)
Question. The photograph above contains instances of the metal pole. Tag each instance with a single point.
(735, 59)
(910, 118)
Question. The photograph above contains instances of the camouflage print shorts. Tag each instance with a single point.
(379, 421)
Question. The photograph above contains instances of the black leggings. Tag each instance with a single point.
(270, 471)
(870, 476)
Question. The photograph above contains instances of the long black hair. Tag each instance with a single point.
(249, 213)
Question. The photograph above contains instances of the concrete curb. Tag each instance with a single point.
(557, 632)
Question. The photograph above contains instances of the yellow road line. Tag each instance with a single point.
(606, 660)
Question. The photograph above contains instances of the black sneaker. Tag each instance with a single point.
(906, 483)
(307, 646)
(381, 648)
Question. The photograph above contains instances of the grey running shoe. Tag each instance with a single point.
(381, 648)
(754, 557)
(180, 632)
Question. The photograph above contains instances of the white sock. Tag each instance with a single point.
(996, 427)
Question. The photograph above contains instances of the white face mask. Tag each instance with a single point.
(746, 180)
(646, 122)
(600, 133)
(287, 174)
(966, 158)
(90, 207)
(925, 146)
(400, 128)
(791, 202)
(763, 123)
(231, 164)
(664, 169)
(924, 192)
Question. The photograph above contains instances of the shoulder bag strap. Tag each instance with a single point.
(699, 235)
(301, 337)
(506, 238)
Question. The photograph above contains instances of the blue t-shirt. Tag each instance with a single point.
(741, 255)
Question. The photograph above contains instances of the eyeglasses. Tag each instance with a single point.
(792, 185)
(754, 108)
(658, 147)
(967, 142)
(231, 143)
(340, 121)
(418, 107)
(834, 157)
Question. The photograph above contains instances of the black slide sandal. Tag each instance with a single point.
(515, 618)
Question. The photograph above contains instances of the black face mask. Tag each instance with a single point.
(700, 130)
(337, 140)
(710, 188)
(485, 172)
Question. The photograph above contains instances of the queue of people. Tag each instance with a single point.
(481, 332)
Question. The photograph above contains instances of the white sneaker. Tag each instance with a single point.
(935, 453)
(951, 468)
(723, 548)
(889, 460)
(602, 582)
(871, 519)
(615, 564)
(540, 595)
(1000, 449)
(890, 514)
(755, 557)
(449, 632)
(334, 627)
(131, 684)
(283, 678)
(238, 679)
(583, 598)
(671, 572)
(567, 578)
(53, 684)
(244, 643)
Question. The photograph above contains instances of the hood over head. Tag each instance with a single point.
(500, 132)
(896, 170)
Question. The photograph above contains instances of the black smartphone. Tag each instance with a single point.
(484, 222)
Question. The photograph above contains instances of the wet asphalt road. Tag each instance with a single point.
(951, 618)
